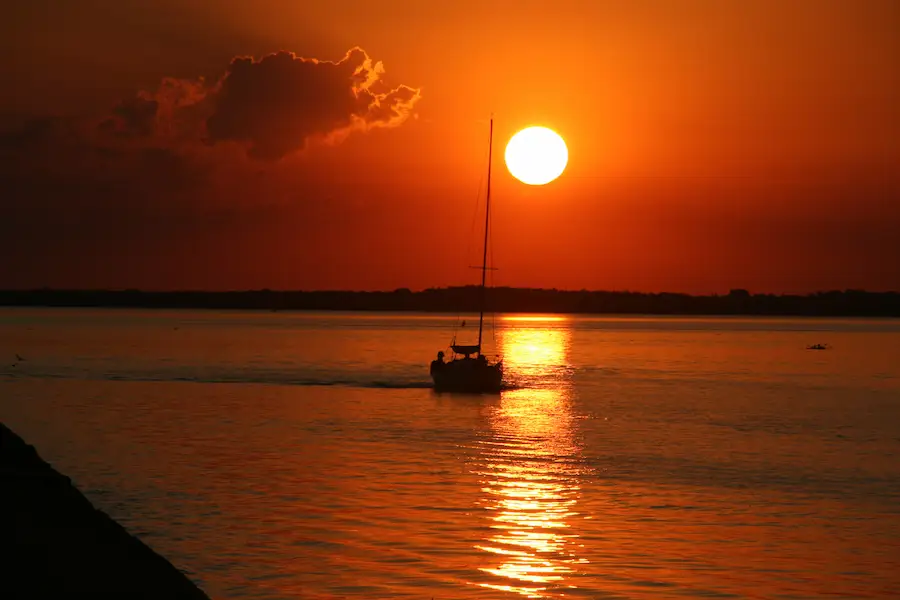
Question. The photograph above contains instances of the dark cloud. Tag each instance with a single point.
(188, 147)
(187, 161)
(271, 107)
(392, 108)
(278, 103)
(173, 115)
(132, 116)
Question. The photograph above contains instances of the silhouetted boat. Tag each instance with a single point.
(469, 369)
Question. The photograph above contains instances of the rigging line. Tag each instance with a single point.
(471, 235)
(474, 217)
(489, 224)
(484, 254)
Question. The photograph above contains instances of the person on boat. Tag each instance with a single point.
(482, 360)
(438, 362)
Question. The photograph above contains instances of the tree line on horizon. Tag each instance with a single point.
(466, 299)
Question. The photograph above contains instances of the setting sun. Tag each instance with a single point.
(536, 155)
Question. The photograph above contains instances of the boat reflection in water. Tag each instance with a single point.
(530, 465)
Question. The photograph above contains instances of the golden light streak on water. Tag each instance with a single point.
(530, 468)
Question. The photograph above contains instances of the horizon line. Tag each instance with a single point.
(732, 291)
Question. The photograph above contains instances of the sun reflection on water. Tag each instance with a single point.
(530, 468)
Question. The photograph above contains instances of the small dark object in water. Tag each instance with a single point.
(818, 347)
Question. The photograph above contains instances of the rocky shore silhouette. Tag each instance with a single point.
(57, 545)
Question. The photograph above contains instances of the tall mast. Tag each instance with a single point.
(487, 221)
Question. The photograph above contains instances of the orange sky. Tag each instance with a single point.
(712, 145)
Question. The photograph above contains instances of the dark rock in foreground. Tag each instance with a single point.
(55, 544)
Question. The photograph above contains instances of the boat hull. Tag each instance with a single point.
(468, 376)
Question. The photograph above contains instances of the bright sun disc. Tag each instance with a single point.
(536, 155)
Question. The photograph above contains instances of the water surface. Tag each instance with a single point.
(303, 455)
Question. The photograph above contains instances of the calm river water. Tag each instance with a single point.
(304, 455)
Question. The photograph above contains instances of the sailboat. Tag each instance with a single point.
(469, 369)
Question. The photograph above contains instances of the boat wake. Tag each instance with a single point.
(397, 376)
(225, 375)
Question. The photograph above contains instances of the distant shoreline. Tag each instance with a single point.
(848, 303)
